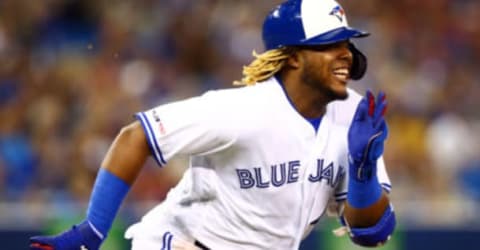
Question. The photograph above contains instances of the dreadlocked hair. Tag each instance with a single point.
(264, 65)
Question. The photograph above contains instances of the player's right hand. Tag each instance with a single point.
(79, 237)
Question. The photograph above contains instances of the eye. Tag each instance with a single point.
(325, 47)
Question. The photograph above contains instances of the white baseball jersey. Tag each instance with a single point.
(260, 174)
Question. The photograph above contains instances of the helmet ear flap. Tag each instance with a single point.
(359, 65)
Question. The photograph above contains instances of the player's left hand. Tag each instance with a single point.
(366, 136)
(79, 237)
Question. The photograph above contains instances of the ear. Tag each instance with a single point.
(295, 59)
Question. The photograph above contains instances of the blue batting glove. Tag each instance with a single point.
(366, 136)
(79, 237)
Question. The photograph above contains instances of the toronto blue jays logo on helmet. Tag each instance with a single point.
(338, 12)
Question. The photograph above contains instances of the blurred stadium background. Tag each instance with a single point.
(73, 72)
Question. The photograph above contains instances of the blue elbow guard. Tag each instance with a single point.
(375, 235)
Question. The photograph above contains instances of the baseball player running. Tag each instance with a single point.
(267, 160)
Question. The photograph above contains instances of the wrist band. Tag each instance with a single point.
(362, 194)
(107, 196)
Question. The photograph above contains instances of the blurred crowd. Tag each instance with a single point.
(73, 72)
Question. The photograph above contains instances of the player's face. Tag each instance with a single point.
(327, 69)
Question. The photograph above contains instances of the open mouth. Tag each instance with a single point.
(342, 73)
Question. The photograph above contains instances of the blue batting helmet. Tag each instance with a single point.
(312, 22)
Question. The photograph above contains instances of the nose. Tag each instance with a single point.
(346, 53)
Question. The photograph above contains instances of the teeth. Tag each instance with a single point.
(341, 77)
(341, 71)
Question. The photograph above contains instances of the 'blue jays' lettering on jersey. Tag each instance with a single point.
(285, 173)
